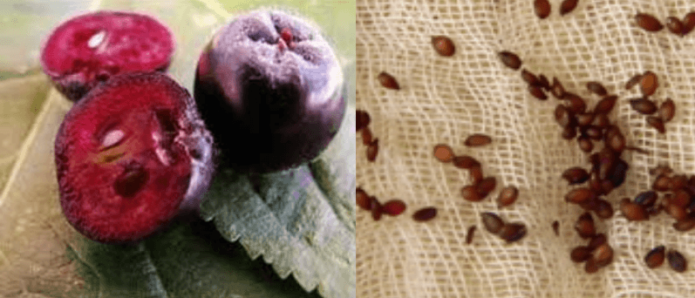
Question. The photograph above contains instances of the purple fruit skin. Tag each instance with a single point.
(269, 108)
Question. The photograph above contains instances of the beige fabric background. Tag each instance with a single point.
(444, 99)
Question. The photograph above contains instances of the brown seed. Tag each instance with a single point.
(492, 222)
(685, 224)
(667, 110)
(373, 150)
(661, 169)
(579, 195)
(507, 196)
(425, 214)
(674, 25)
(597, 241)
(476, 173)
(388, 81)
(568, 6)
(585, 144)
(584, 119)
(648, 22)
(529, 78)
(675, 211)
(601, 120)
(476, 140)
(557, 89)
(470, 193)
(443, 45)
(486, 186)
(544, 82)
(585, 226)
(688, 22)
(594, 133)
(648, 83)
(563, 116)
(575, 175)
(366, 136)
(605, 105)
(580, 254)
(556, 228)
(608, 160)
(465, 162)
(632, 211)
(647, 198)
(655, 257)
(617, 177)
(643, 106)
(590, 266)
(678, 182)
(661, 183)
(656, 123)
(680, 198)
(513, 232)
(604, 209)
(537, 92)
(569, 132)
(510, 59)
(363, 200)
(603, 255)
(590, 204)
(362, 119)
(542, 8)
(677, 261)
(375, 208)
(596, 88)
(393, 207)
(617, 142)
(470, 234)
(575, 103)
(443, 153)
(633, 81)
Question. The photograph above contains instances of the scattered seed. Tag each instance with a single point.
(594, 133)
(604, 209)
(657, 124)
(590, 266)
(569, 132)
(579, 195)
(667, 110)
(596, 88)
(580, 254)
(507, 196)
(477, 140)
(465, 162)
(685, 224)
(373, 150)
(678, 182)
(362, 199)
(605, 105)
(676, 212)
(366, 136)
(648, 22)
(563, 116)
(661, 183)
(375, 208)
(677, 261)
(443, 45)
(542, 8)
(584, 119)
(617, 177)
(544, 82)
(643, 106)
(513, 232)
(530, 78)
(476, 173)
(632, 211)
(601, 121)
(443, 153)
(470, 234)
(425, 214)
(388, 81)
(575, 175)
(585, 144)
(674, 25)
(688, 22)
(486, 186)
(660, 169)
(510, 59)
(597, 241)
(556, 228)
(470, 193)
(568, 6)
(655, 257)
(585, 226)
(362, 119)
(537, 92)
(393, 207)
(575, 103)
(647, 198)
(649, 83)
(492, 222)
(633, 81)
(603, 255)
(616, 141)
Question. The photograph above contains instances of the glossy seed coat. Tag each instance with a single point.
(529, 78)
(648, 22)
(492, 222)
(596, 88)
(597, 241)
(585, 226)
(633, 212)
(393, 207)
(477, 140)
(643, 105)
(580, 254)
(507, 196)
(568, 6)
(541, 8)
(674, 25)
(443, 153)
(688, 22)
(633, 81)
(513, 232)
(470, 193)
(667, 110)
(388, 81)
(655, 257)
(657, 124)
(443, 45)
(486, 186)
(510, 59)
(575, 175)
(425, 214)
(649, 83)
(605, 105)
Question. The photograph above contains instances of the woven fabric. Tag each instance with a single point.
(446, 99)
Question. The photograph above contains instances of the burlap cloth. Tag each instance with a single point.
(445, 99)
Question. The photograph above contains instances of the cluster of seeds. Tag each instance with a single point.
(649, 82)
(656, 257)
(371, 203)
(362, 124)
(674, 25)
(542, 7)
(597, 253)
(509, 232)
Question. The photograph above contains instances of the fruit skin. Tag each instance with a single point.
(273, 100)
(77, 60)
(163, 148)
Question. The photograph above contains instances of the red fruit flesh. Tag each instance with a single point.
(91, 48)
(130, 156)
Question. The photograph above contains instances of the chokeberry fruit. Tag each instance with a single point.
(271, 91)
(91, 48)
(131, 156)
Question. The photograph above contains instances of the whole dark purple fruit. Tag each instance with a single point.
(271, 91)
(131, 156)
(91, 48)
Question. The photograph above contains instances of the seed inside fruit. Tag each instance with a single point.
(542, 8)
(649, 83)
(425, 214)
(648, 22)
(510, 59)
(443, 153)
(507, 196)
(388, 81)
(655, 257)
(492, 222)
(585, 144)
(373, 150)
(596, 88)
(443, 45)
(393, 207)
(96, 39)
(603, 209)
(568, 6)
(667, 110)
(647, 198)
(477, 140)
(677, 261)
(363, 200)
(470, 193)
(470, 234)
